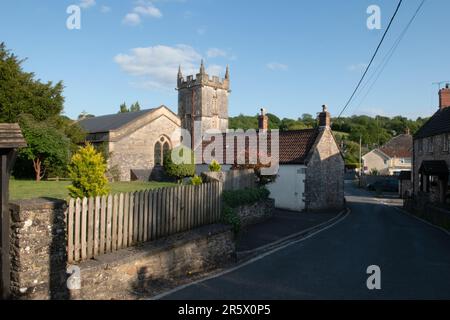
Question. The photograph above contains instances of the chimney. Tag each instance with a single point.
(263, 120)
(407, 131)
(324, 118)
(444, 97)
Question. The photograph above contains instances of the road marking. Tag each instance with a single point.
(246, 263)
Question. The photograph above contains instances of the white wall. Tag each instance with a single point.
(289, 187)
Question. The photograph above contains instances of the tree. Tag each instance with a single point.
(135, 107)
(124, 108)
(184, 168)
(87, 170)
(46, 145)
(21, 93)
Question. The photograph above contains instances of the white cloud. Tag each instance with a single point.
(142, 9)
(132, 19)
(276, 66)
(157, 66)
(357, 67)
(148, 10)
(85, 4)
(105, 9)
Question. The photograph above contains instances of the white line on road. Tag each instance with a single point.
(162, 295)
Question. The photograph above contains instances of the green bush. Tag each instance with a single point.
(183, 169)
(238, 198)
(215, 166)
(87, 170)
(196, 181)
(230, 217)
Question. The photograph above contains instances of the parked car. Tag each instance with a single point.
(385, 186)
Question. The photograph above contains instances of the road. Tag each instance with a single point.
(414, 259)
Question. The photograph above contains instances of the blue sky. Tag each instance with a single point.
(289, 56)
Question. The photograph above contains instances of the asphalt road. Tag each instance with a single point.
(414, 259)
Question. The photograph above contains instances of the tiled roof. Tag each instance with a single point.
(439, 123)
(294, 146)
(398, 147)
(111, 122)
(11, 136)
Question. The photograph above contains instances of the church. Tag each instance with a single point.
(137, 141)
(310, 168)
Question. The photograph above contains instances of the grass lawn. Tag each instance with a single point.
(26, 189)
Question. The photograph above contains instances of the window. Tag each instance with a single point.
(162, 148)
(446, 142)
(420, 143)
(430, 144)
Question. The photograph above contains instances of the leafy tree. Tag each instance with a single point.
(183, 169)
(47, 147)
(124, 108)
(21, 93)
(85, 115)
(87, 170)
(135, 107)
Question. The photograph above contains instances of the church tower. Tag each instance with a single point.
(203, 99)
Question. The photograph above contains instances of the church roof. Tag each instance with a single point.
(111, 122)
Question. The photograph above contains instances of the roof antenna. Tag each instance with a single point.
(440, 83)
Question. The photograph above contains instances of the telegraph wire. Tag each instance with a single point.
(389, 55)
(373, 58)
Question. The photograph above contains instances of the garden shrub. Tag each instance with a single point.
(180, 170)
(230, 217)
(248, 196)
(87, 170)
(196, 181)
(215, 166)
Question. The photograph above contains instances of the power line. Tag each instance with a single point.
(373, 58)
(389, 55)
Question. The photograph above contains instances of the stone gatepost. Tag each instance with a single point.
(38, 249)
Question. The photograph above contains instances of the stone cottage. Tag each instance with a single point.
(311, 171)
(431, 161)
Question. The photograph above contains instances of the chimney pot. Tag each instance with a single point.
(444, 97)
(263, 120)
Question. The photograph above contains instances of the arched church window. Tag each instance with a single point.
(166, 149)
(162, 148)
(158, 159)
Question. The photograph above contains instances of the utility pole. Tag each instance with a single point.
(360, 159)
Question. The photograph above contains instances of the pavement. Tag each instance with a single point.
(414, 259)
(284, 224)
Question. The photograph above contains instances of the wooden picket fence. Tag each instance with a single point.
(105, 224)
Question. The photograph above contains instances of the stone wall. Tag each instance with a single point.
(324, 187)
(38, 249)
(255, 213)
(134, 270)
(233, 179)
(371, 179)
(39, 258)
